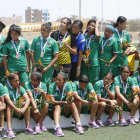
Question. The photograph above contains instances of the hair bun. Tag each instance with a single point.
(50, 23)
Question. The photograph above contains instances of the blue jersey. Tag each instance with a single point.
(80, 44)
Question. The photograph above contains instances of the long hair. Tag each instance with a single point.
(15, 28)
(90, 21)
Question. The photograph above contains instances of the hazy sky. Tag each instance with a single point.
(60, 8)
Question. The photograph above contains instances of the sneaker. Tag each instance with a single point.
(93, 124)
(29, 130)
(43, 128)
(123, 122)
(99, 123)
(37, 128)
(79, 129)
(110, 122)
(2, 133)
(10, 134)
(131, 121)
(58, 132)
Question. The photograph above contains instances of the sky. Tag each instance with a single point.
(65, 8)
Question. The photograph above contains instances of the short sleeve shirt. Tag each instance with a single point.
(59, 95)
(82, 93)
(109, 49)
(131, 59)
(15, 64)
(125, 38)
(2, 90)
(2, 38)
(64, 53)
(100, 89)
(80, 44)
(136, 79)
(50, 49)
(28, 86)
(93, 43)
(126, 86)
(13, 93)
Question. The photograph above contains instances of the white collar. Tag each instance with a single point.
(62, 89)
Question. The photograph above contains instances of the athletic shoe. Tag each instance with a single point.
(10, 134)
(43, 128)
(29, 130)
(93, 124)
(58, 132)
(79, 129)
(99, 123)
(110, 122)
(2, 133)
(123, 122)
(131, 121)
(37, 128)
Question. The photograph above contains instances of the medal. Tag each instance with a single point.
(17, 49)
(102, 52)
(17, 56)
(104, 43)
(61, 41)
(41, 55)
(43, 47)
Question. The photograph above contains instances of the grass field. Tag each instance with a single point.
(105, 133)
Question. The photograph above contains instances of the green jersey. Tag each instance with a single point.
(2, 90)
(1, 41)
(93, 44)
(60, 95)
(125, 88)
(16, 54)
(107, 48)
(136, 79)
(28, 86)
(123, 36)
(14, 93)
(100, 89)
(44, 49)
(82, 93)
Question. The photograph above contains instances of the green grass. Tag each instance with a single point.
(104, 133)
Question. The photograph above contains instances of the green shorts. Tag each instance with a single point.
(104, 70)
(92, 72)
(51, 111)
(47, 76)
(3, 79)
(24, 77)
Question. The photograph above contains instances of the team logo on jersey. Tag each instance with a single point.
(48, 44)
(108, 43)
(22, 45)
(38, 44)
(12, 47)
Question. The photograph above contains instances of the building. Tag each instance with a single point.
(36, 15)
(11, 20)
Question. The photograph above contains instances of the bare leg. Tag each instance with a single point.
(101, 108)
